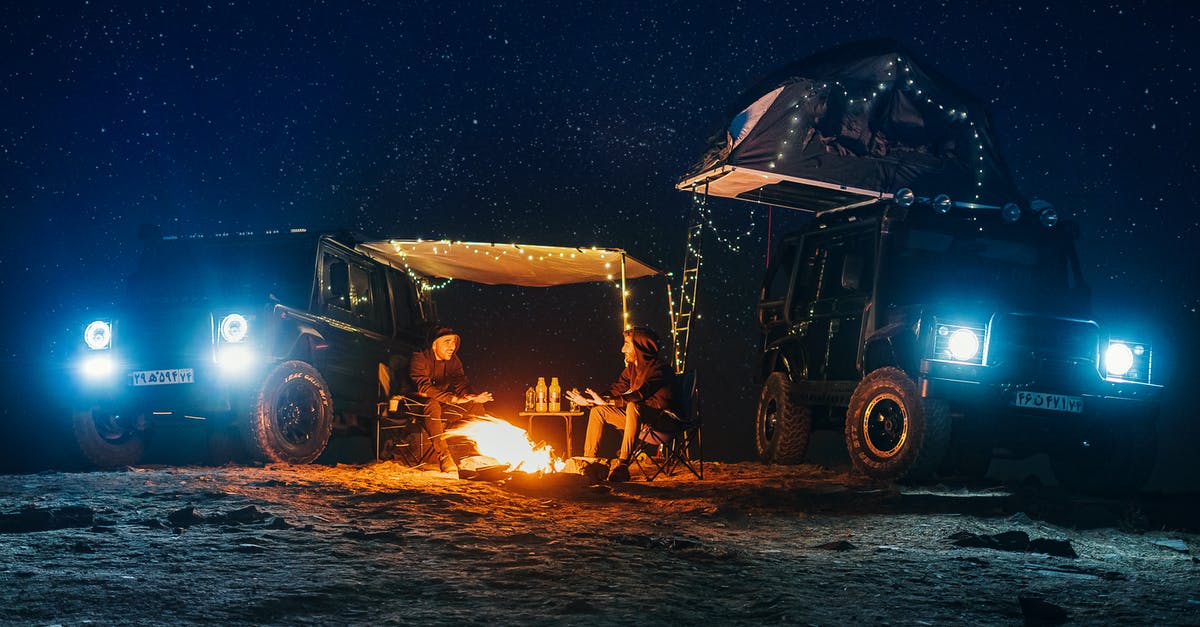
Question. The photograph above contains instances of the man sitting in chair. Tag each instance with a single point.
(440, 378)
(642, 396)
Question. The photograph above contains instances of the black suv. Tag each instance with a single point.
(277, 335)
(936, 335)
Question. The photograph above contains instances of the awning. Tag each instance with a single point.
(528, 265)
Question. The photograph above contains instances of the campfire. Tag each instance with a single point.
(507, 444)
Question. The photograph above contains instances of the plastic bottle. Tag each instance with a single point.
(529, 398)
(555, 395)
(541, 393)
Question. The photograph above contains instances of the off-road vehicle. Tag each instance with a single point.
(935, 334)
(278, 336)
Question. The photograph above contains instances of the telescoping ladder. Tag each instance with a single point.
(683, 308)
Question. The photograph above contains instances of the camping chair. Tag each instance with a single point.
(678, 448)
(405, 416)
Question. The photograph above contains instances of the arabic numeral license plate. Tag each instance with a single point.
(1051, 402)
(171, 376)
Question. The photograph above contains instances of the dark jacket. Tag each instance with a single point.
(438, 380)
(652, 384)
(649, 380)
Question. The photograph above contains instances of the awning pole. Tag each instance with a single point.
(624, 298)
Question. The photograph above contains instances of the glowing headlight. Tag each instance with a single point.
(1128, 361)
(905, 197)
(98, 335)
(234, 359)
(233, 328)
(1119, 359)
(964, 344)
(98, 366)
(957, 342)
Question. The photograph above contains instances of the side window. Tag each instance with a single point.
(858, 271)
(361, 303)
(368, 298)
(808, 276)
(404, 293)
(335, 292)
(354, 293)
(779, 276)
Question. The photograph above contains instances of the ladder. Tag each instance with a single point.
(683, 307)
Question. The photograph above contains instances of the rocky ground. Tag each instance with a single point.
(750, 544)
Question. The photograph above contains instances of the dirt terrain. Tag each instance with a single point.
(750, 544)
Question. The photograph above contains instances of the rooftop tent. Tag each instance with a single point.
(851, 125)
(526, 265)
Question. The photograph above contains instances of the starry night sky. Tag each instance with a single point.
(553, 124)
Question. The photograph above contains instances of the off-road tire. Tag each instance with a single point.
(292, 417)
(891, 432)
(1118, 461)
(104, 443)
(782, 425)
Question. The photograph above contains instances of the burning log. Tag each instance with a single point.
(502, 448)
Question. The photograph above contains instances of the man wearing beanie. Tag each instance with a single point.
(440, 378)
(642, 395)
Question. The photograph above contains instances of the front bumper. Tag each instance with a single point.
(996, 389)
(191, 391)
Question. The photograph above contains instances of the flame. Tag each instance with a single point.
(507, 444)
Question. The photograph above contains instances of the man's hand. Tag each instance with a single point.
(482, 397)
(596, 400)
(575, 397)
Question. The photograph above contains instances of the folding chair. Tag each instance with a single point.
(677, 448)
(406, 416)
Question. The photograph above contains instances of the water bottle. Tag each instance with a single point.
(555, 395)
(529, 398)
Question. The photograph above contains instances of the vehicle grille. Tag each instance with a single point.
(166, 339)
(1048, 350)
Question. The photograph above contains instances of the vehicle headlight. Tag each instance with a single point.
(1127, 361)
(959, 342)
(98, 335)
(235, 359)
(234, 328)
(98, 366)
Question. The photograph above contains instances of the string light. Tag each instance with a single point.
(905, 83)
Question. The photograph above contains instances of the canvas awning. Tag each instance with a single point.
(528, 265)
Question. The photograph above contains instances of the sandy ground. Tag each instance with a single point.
(750, 544)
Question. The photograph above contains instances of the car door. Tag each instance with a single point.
(833, 285)
(357, 323)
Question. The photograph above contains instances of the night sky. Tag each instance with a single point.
(556, 124)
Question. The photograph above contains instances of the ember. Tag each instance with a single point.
(507, 444)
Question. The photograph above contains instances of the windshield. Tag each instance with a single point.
(1033, 273)
(226, 269)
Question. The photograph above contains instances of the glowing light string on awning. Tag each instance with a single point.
(527, 265)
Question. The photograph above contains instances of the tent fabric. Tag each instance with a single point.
(861, 120)
(526, 265)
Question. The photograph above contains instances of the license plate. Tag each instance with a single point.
(1051, 402)
(162, 377)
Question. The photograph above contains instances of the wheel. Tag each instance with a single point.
(106, 439)
(891, 432)
(292, 417)
(782, 426)
(1112, 461)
